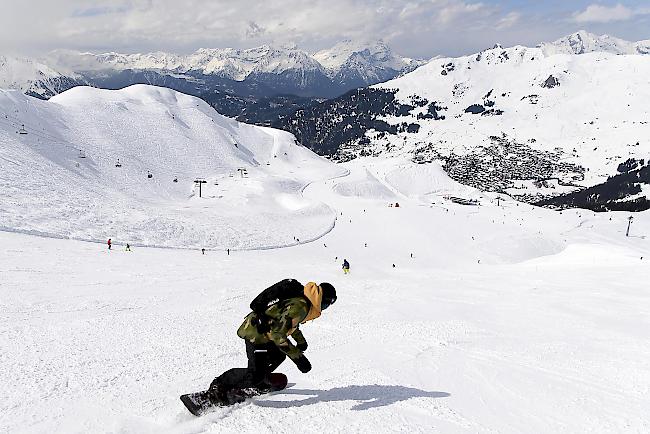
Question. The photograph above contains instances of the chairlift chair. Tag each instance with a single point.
(149, 175)
(22, 129)
(82, 153)
(118, 164)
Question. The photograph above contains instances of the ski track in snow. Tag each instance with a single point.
(507, 319)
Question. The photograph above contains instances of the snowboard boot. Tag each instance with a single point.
(218, 393)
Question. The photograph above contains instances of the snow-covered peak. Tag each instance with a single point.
(33, 77)
(18, 73)
(374, 54)
(238, 64)
(584, 42)
(230, 63)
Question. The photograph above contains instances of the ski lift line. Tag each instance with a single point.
(39, 133)
(54, 140)
(33, 130)
(51, 139)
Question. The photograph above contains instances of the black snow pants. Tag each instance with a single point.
(262, 360)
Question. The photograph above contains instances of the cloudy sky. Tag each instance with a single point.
(417, 28)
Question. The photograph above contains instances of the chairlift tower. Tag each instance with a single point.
(629, 222)
(200, 181)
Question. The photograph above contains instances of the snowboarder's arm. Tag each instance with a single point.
(287, 325)
(301, 342)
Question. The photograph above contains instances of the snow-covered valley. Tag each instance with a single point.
(495, 317)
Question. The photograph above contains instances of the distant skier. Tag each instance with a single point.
(202, 251)
(277, 314)
(128, 247)
(346, 266)
(109, 244)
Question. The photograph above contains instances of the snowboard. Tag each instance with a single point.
(199, 403)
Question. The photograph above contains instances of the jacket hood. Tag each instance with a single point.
(314, 294)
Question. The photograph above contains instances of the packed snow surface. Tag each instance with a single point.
(95, 164)
(498, 317)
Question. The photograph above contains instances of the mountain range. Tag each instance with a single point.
(533, 122)
(530, 122)
(264, 71)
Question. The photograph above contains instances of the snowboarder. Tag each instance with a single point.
(346, 266)
(109, 244)
(267, 337)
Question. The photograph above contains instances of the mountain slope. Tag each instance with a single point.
(355, 64)
(70, 155)
(584, 42)
(499, 318)
(35, 78)
(517, 120)
(261, 71)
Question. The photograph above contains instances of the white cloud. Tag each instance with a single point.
(455, 10)
(509, 20)
(421, 28)
(172, 25)
(596, 13)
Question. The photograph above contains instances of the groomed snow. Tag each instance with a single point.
(60, 179)
(548, 333)
(506, 318)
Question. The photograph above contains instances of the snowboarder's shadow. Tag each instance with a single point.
(368, 396)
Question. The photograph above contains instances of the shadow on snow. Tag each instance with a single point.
(372, 396)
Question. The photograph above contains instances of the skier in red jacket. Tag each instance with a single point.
(109, 244)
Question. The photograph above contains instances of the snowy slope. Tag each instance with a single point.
(365, 62)
(584, 42)
(596, 114)
(61, 177)
(500, 120)
(34, 78)
(508, 318)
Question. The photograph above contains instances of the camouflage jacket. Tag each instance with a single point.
(284, 320)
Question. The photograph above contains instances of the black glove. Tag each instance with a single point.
(261, 323)
(302, 346)
(303, 364)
